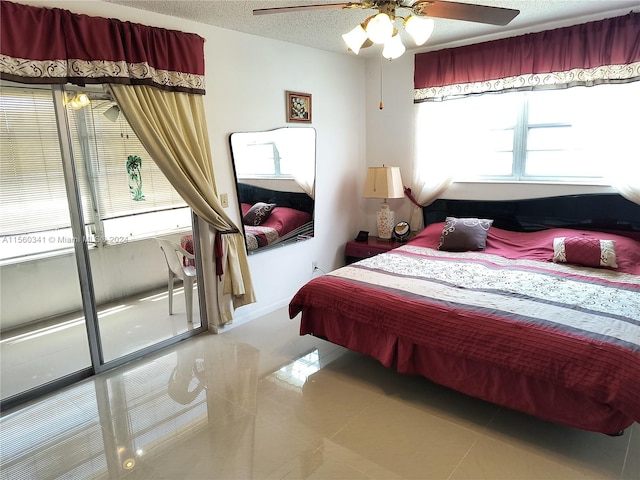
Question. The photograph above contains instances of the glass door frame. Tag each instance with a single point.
(89, 307)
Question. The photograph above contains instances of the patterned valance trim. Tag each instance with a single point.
(542, 81)
(99, 71)
(53, 45)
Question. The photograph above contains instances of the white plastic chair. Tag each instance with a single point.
(173, 253)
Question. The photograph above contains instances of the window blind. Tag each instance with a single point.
(110, 144)
(33, 197)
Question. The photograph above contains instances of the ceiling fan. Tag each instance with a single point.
(379, 28)
(433, 8)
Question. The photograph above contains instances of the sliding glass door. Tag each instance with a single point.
(83, 280)
(44, 331)
(128, 204)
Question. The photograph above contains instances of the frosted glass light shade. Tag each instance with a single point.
(419, 28)
(393, 48)
(380, 28)
(355, 39)
(79, 101)
(112, 113)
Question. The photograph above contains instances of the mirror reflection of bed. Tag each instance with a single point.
(275, 183)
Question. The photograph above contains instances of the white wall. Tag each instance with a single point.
(247, 77)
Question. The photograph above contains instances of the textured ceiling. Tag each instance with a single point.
(322, 29)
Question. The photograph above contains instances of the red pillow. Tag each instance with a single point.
(285, 220)
(587, 251)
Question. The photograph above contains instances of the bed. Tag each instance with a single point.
(522, 322)
(282, 223)
(272, 217)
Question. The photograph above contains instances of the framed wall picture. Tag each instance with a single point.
(298, 107)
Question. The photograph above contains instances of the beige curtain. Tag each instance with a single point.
(173, 129)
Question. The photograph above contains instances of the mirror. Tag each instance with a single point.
(275, 182)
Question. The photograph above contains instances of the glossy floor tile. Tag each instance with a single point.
(38, 353)
(260, 402)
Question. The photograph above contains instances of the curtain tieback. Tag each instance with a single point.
(218, 252)
(407, 192)
(217, 249)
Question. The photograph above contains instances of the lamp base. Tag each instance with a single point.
(385, 222)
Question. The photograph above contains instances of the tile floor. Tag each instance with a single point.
(258, 401)
(38, 353)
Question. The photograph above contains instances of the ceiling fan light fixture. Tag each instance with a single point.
(419, 28)
(355, 39)
(393, 48)
(112, 113)
(78, 101)
(380, 28)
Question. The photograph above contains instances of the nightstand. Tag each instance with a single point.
(355, 251)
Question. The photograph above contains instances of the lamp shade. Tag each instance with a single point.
(419, 28)
(379, 28)
(112, 113)
(383, 182)
(79, 101)
(393, 48)
(355, 39)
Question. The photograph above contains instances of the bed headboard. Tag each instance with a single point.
(602, 212)
(297, 200)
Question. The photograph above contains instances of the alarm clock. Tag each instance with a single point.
(401, 231)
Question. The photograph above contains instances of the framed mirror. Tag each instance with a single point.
(275, 182)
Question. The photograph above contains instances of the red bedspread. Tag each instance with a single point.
(554, 340)
(282, 222)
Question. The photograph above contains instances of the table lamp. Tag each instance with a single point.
(384, 182)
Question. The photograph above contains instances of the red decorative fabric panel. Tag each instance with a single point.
(52, 45)
(585, 54)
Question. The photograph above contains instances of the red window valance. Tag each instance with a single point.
(605, 51)
(51, 45)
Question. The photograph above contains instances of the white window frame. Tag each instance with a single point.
(584, 141)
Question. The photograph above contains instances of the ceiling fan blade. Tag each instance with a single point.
(466, 11)
(299, 8)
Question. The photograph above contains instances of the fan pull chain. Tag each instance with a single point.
(381, 105)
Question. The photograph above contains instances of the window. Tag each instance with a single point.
(102, 148)
(548, 135)
(262, 160)
(34, 215)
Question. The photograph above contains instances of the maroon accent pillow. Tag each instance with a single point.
(463, 234)
(258, 213)
(584, 250)
(285, 220)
